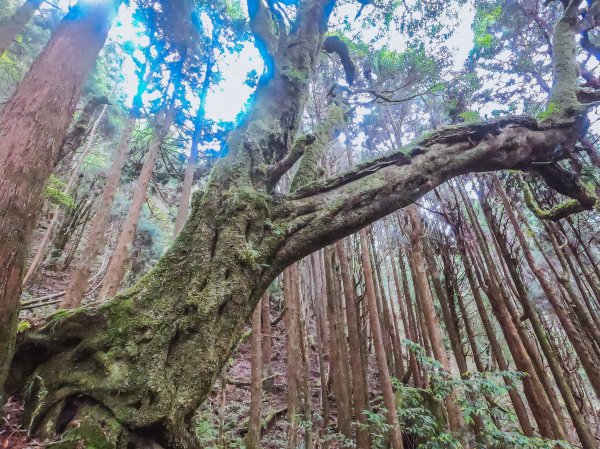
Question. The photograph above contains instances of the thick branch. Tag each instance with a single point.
(329, 210)
(262, 26)
(567, 184)
(556, 213)
(277, 170)
(308, 170)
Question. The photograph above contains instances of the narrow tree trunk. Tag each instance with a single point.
(338, 348)
(11, 27)
(267, 336)
(116, 267)
(384, 374)
(31, 128)
(437, 344)
(256, 373)
(190, 169)
(590, 363)
(410, 326)
(306, 370)
(392, 349)
(581, 427)
(81, 275)
(41, 249)
(290, 294)
(490, 332)
(450, 320)
(360, 388)
(77, 135)
(318, 296)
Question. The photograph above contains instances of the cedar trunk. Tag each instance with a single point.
(31, 130)
(11, 27)
(81, 275)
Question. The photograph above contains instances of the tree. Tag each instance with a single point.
(253, 435)
(127, 363)
(31, 129)
(11, 27)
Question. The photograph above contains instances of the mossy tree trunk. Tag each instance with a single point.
(136, 369)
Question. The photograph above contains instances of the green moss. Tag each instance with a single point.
(93, 428)
(249, 256)
(550, 110)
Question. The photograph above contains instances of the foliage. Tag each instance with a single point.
(23, 326)
(55, 193)
(478, 395)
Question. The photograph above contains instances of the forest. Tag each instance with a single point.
(299, 224)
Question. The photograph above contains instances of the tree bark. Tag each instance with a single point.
(292, 338)
(253, 435)
(31, 128)
(385, 381)
(81, 275)
(339, 370)
(11, 27)
(116, 267)
(266, 331)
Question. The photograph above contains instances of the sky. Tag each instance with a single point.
(228, 98)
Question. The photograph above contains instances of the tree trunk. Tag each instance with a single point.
(81, 275)
(253, 435)
(490, 332)
(116, 267)
(338, 348)
(439, 351)
(266, 331)
(360, 388)
(292, 338)
(190, 169)
(41, 249)
(384, 374)
(581, 427)
(411, 331)
(77, 135)
(31, 128)
(319, 294)
(11, 27)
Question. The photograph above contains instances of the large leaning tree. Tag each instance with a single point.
(132, 372)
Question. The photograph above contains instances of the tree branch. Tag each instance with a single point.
(563, 210)
(326, 211)
(262, 26)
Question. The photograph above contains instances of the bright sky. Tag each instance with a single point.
(228, 98)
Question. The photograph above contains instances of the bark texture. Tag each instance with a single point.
(12, 26)
(116, 268)
(32, 127)
(81, 275)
